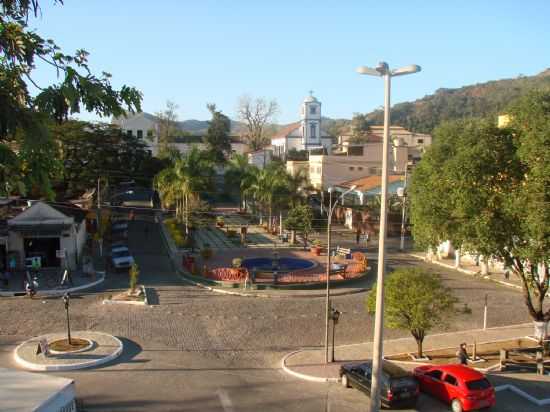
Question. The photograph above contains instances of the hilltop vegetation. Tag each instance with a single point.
(479, 100)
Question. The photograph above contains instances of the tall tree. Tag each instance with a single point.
(360, 127)
(217, 136)
(89, 151)
(300, 219)
(256, 114)
(239, 173)
(77, 88)
(414, 300)
(167, 126)
(184, 179)
(488, 189)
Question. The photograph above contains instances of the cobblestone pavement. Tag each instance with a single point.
(196, 350)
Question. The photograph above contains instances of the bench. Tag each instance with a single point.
(342, 251)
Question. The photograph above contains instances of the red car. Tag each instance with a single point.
(464, 388)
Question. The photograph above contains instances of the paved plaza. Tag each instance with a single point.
(195, 350)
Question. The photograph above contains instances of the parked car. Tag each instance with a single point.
(121, 258)
(464, 388)
(399, 388)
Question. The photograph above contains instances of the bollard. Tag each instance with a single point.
(475, 351)
(503, 358)
(540, 363)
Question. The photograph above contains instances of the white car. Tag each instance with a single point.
(121, 258)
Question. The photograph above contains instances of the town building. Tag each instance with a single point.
(329, 170)
(52, 232)
(146, 126)
(306, 134)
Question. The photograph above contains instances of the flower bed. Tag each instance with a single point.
(228, 274)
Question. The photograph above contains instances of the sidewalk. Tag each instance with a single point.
(309, 364)
(495, 274)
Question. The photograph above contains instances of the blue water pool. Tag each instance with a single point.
(280, 265)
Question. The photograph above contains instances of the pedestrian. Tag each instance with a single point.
(358, 235)
(462, 354)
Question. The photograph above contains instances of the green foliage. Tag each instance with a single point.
(300, 219)
(186, 177)
(21, 47)
(360, 127)
(414, 300)
(487, 190)
(92, 150)
(299, 155)
(23, 118)
(480, 100)
(134, 277)
(217, 136)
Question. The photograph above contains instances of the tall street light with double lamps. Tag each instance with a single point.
(384, 71)
(327, 312)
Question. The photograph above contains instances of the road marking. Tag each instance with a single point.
(227, 405)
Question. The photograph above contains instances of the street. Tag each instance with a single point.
(194, 350)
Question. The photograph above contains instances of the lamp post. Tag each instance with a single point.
(403, 194)
(327, 303)
(66, 299)
(384, 71)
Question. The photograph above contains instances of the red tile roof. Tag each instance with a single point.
(286, 130)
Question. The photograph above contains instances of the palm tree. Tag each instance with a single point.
(240, 173)
(186, 176)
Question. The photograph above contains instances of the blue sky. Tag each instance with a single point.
(196, 52)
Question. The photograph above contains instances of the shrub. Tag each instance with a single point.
(231, 233)
(237, 262)
(134, 276)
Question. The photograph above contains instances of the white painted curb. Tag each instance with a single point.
(304, 376)
(63, 367)
(144, 302)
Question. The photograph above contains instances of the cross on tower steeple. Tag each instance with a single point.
(311, 92)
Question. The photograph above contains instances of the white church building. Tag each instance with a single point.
(307, 134)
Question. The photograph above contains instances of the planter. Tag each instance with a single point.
(316, 250)
(540, 330)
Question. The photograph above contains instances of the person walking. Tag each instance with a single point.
(462, 354)
(358, 235)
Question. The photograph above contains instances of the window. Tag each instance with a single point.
(313, 131)
(351, 169)
(478, 385)
(360, 168)
(436, 374)
(129, 133)
(149, 133)
(450, 379)
(140, 134)
(419, 141)
(312, 110)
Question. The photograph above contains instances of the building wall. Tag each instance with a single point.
(327, 171)
(293, 167)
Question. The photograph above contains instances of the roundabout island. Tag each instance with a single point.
(52, 352)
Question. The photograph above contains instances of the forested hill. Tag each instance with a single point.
(478, 100)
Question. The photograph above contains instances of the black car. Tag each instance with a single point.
(399, 388)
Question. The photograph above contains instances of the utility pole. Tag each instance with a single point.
(402, 241)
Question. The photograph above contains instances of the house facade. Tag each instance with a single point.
(55, 234)
(329, 170)
(145, 126)
(306, 134)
